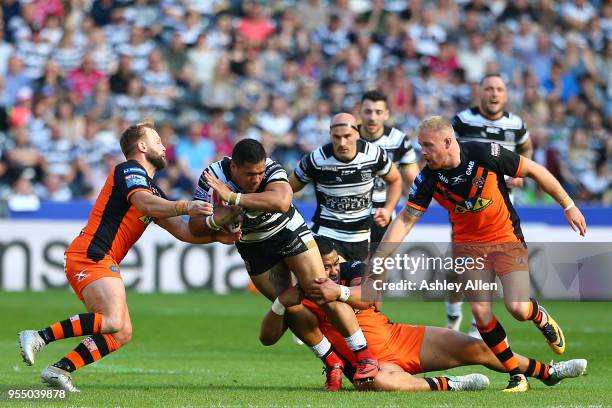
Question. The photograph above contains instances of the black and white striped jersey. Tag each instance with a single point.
(343, 189)
(400, 151)
(509, 130)
(257, 225)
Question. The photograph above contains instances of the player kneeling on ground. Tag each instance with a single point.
(402, 350)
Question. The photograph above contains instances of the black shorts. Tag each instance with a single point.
(261, 256)
(351, 251)
(376, 235)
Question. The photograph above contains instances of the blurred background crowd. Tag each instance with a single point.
(75, 73)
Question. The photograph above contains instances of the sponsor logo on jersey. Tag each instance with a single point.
(493, 130)
(476, 204)
(494, 149)
(134, 170)
(351, 203)
(347, 172)
(443, 178)
(458, 179)
(329, 168)
(135, 180)
(470, 168)
(114, 268)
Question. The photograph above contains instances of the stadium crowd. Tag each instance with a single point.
(75, 73)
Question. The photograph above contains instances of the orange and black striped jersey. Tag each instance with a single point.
(474, 193)
(375, 325)
(114, 224)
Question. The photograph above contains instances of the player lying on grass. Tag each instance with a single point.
(275, 239)
(128, 202)
(402, 350)
(467, 179)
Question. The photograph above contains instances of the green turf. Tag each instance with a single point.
(202, 350)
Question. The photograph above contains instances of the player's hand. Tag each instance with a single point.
(222, 190)
(228, 238)
(515, 182)
(199, 208)
(291, 297)
(227, 214)
(382, 217)
(323, 290)
(576, 220)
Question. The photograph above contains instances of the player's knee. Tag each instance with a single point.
(112, 322)
(482, 313)
(519, 310)
(266, 340)
(123, 336)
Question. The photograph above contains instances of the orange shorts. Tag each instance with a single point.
(406, 340)
(81, 271)
(502, 258)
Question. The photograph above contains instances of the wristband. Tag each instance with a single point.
(569, 207)
(563, 200)
(231, 200)
(237, 200)
(345, 293)
(211, 224)
(278, 308)
(181, 208)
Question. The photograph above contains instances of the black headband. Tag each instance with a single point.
(344, 124)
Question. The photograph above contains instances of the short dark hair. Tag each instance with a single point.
(374, 96)
(132, 135)
(326, 246)
(248, 151)
(492, 75)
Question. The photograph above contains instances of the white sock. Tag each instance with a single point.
(454, 309)
(322, 348)
(356, 341)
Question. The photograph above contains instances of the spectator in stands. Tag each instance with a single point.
(194, 151)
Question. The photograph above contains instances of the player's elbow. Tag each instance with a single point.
(284, 202)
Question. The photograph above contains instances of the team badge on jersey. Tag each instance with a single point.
(478, 182)
(475, 204)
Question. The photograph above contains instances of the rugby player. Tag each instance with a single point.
(343, 173)
(275, 240)
(484, 225)
(403, 350)
(489, 122)
(373, 114)
(126, 205)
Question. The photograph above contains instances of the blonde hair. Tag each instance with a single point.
(435, 123)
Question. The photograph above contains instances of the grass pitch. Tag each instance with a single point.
(199, 349)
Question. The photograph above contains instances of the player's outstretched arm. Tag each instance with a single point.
(223, 215)
(181, 231)
(296, 185)
(394, 192)
(397, 231)
(408, 172)
(550, 185)
(273, 325)
(158, 207)
(276, 197)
